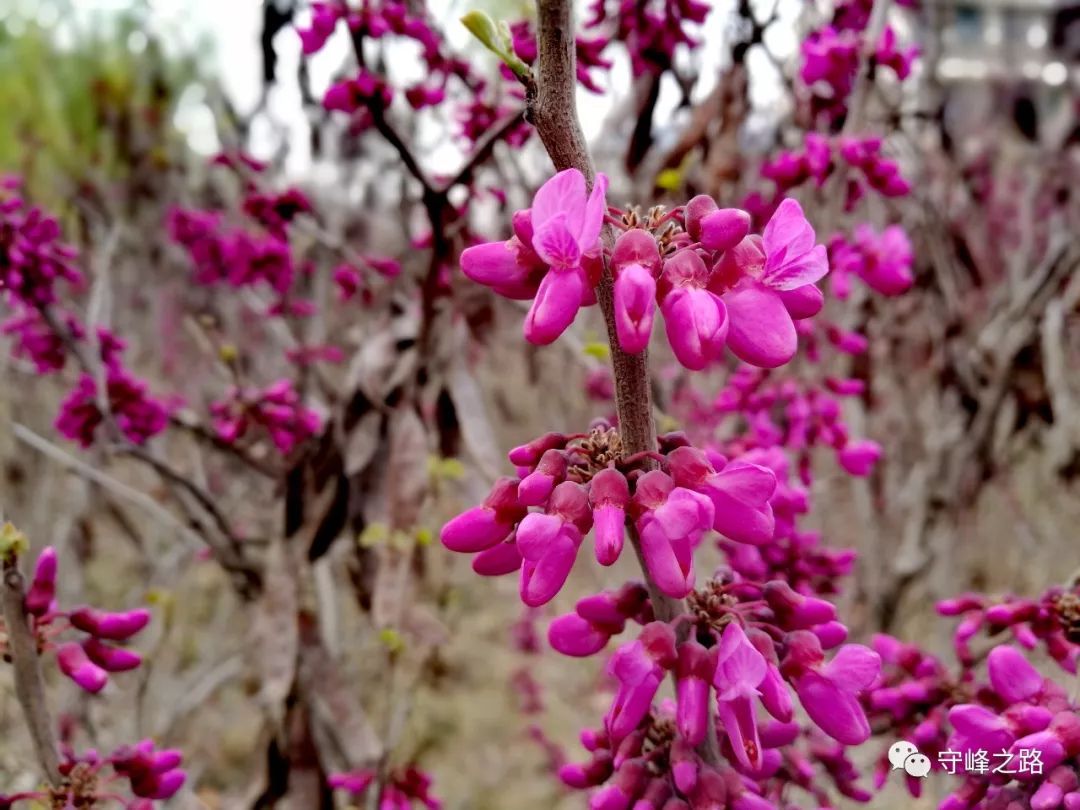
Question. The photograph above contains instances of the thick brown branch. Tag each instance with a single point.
(554, 112)
(29, 689)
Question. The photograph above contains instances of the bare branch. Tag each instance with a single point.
(29, 688)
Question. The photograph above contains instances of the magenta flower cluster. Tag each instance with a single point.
(574, 488)
(406, 788)
(747, 647)
(651, 32)
(1011, 735)
(33, 260)
(276, 409)
(89, 661)
(137, 414)
(715, 283)
(832, 56)
(882, 260)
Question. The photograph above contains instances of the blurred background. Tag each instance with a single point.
(111, 111)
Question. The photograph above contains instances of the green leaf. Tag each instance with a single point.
(482, 27)
(670, 179)
(12, 541)
(392, 639)
(601, 351)
(496, 39)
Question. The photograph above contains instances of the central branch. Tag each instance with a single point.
(553, 109)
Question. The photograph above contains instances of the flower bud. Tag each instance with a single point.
(498, 560)
(535, 488)
(486, 525)
(574, 636)
(527, 455)
(724, 228)
(636, 246)
(635, 305)
(608, 495)
(795, 611)
(112, 626)
(109, 658)
(695, 211)
(74, 663)
(42, 592)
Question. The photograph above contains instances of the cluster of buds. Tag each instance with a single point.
(1012, 736)
(1053, 619)
(367, 94)
(580, 482)
(821, 155)
(742, 645)
(89, 661)
(36, 340)
(276, 409)
(32, 257)
(715, 283)
(882, 260)
(650, 32)
(33, 261)
(832, 55)
(153, 775)
(403, 790)
(798, 417)
(137, 414)
(231, 256)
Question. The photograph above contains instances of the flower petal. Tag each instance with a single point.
(564, 193)
(760, 329)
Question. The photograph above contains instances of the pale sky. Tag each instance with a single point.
(228, 33)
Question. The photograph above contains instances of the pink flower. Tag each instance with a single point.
(740, 493)
(764, 278)
(1012, 676)
(671, 522)
(608, 495)
(724, 228)
(694, 675)
(740, 669)
(888, 54)
(566, 222)
(696, 320)
(830, 691)
(42, 592)
(549, 543)
(635, 304)
(487, 525)
(109, 658)
(74, 663)
(858, 458)
(113, 626)
(639, 677)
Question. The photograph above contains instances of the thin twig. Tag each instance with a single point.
(29, 688)
(105, 481)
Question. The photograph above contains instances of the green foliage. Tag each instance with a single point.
(86, 101)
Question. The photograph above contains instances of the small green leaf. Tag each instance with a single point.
(482, 27)
(601, 351)
(496, 38)
(12, 541)
(670, 179)
(373, 535)
(392, 639)
(424, 537)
